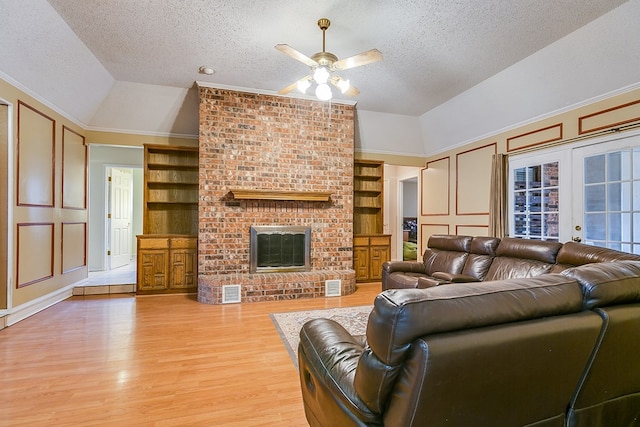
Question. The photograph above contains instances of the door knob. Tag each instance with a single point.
(577, 239)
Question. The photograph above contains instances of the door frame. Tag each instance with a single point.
(106, 194)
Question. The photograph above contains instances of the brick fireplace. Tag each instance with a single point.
(283, 146)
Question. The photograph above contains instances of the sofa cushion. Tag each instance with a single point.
(450, 242)
(579, 254)
(536, 250)
(610, 283)
(399, 316)
(522, 258)
(446, 253)
(481, 254)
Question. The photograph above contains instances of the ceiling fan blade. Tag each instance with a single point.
(293, 86)
(298, 56)
(351, 91)
(364, 58)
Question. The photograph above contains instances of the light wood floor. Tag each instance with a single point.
(154, 361)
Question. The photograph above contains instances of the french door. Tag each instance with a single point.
(588, 193)
(606, 198)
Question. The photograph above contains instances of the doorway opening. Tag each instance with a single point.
(409, 217)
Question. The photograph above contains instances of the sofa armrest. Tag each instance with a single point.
(404, 267)
(454, 278)
(327, 357)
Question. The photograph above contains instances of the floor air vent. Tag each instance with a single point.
(332, 288)
(230, 294)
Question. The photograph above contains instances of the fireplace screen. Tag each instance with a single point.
(276, 248)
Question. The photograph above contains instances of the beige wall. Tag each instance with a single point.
(455, 184)
(4, 129)
(47, 198)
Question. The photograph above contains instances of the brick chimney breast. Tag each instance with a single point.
(255, 141)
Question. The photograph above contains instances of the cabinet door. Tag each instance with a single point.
(361, 262)
(183, 268)
(153, 268)
(378, 255)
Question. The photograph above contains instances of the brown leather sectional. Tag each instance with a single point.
(552, 341)
(454, 259)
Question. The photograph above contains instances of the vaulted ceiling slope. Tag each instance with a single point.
(131, 65)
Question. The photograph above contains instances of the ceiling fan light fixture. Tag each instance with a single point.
(321, 75)
(343, 85)
(303, 85)
(323, 92)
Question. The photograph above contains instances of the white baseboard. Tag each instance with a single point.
(30, 308)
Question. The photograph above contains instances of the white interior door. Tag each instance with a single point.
(606, 194)
(120, 212)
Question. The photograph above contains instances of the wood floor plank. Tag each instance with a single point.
(116, 360)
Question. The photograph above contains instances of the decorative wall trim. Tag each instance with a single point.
(477, 179)
(64, 251)
(74, 173)
(22, 240)
(461, 229)
(38, 170)
(611, 117)
(436, 176)
(536, 137)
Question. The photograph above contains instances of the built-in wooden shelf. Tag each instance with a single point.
(305, 196)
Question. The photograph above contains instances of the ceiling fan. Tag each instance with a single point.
(323, 65)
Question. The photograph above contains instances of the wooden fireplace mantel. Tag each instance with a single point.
(305, 196)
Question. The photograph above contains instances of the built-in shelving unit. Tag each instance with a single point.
(367, 197)
(168, 249)
(171, 190)
(371, 248)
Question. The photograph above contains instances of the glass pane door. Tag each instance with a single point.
(538, 205)
(607, 197)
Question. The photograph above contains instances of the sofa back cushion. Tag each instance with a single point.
(400, 316)
(607, 283)
(574, 254)
(522, 258)
(446, 253)
(481, 254)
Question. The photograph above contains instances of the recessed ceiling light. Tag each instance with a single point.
(206, 70)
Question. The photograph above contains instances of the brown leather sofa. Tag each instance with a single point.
(556, 349)
(455, 259)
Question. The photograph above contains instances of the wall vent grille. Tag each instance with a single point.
(332, 288)
(230, 294)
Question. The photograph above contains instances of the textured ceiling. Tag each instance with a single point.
(433, 50)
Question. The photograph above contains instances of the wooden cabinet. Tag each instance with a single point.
(371, 248)
(167, 263)
(369, 253)
(167, 251)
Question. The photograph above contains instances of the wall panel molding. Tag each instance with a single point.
(435, 184)
(611, 117)
(473, 179)
(73, 253)
(472, 230)
(34, 260)
(74, 170)
(536, 137)
(35, 158)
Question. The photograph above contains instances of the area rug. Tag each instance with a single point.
(288, 325)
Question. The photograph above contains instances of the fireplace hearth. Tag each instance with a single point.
(279, 248)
